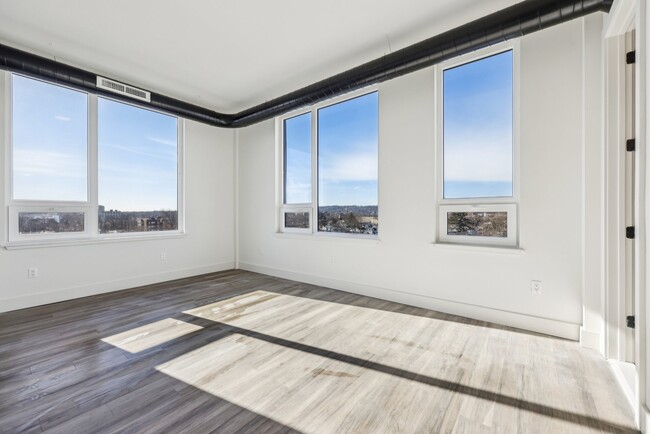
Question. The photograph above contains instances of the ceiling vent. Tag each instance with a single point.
(123, 89)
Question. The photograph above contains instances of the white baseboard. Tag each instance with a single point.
(527, 322)
(627, 377)
(58, 295)
(644, 421)
(591, 340)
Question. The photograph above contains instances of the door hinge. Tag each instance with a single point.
(630, 57)
(630, 145)
(629, 320)
(629, 232)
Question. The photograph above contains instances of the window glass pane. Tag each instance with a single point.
(296, 220)
(483, 224)
(49, 141)
(297, 162)
(347, 166)
(478, 128)
(50, 222)
(138, 176)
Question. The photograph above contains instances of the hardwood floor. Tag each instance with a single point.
(243, 352)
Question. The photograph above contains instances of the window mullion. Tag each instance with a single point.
(314, 170)
(93, 169)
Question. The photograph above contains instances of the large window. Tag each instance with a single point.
(137, 169)
(70, 180)
(477, 135)
(343, 149)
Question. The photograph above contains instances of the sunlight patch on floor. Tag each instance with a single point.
(151, 335)
(301, 390)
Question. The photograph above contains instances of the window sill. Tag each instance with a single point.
(327, 236)
(480, 248)
(37, 244)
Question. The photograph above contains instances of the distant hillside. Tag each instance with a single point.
(366, 210)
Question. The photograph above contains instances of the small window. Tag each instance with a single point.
(296, 220)
(137, 169)
(479, 224)
(51, 222)
(477, 134)
(34, 222)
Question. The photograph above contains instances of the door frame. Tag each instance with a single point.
(626, 15)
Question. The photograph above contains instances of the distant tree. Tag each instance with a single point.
(459, 222)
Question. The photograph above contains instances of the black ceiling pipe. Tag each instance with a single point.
(521, 19)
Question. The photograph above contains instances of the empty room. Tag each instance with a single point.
(287, 216)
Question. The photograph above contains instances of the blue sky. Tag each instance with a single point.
(137, 158)
(49, 142)
(478, 128)
(297, 132)
(347, 160)
(137, 149)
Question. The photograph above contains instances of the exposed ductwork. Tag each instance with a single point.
(521, 19)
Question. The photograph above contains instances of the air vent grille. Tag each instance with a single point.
(123, 89)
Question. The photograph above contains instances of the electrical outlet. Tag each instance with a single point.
(536, 287)
(32, 273)
(163, 256)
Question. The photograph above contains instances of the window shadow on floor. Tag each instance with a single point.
(223, 330)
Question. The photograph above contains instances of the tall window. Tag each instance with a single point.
(478, 142)
(347, 166)
(50, 142)
(297, 159)
(137, 169)
(55, 186)
(345, 182)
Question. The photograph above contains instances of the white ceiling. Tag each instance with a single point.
(227, 54)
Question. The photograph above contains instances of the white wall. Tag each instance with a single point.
(81, 270)
(404, 265)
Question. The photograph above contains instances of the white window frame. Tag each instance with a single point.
(90, 207)
(509, 240)
(54, 207)
(312, 207)
(479, 204)
(296, 209)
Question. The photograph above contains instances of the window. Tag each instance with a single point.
(297, 159)
(137, 169)
(344, 151)
(478, 142)
(70, 181)
(50, 142)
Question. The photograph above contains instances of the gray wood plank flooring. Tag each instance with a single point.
(237, 352)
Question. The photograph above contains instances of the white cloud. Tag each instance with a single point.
(479, 160)
(62, 118)
(162, 156)
(162, 141)
(36, 162)
(355, 167)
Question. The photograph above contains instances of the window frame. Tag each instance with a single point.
(313, 206)
(510, 209)
(45, 207)
(485, 204)
(90, 206)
